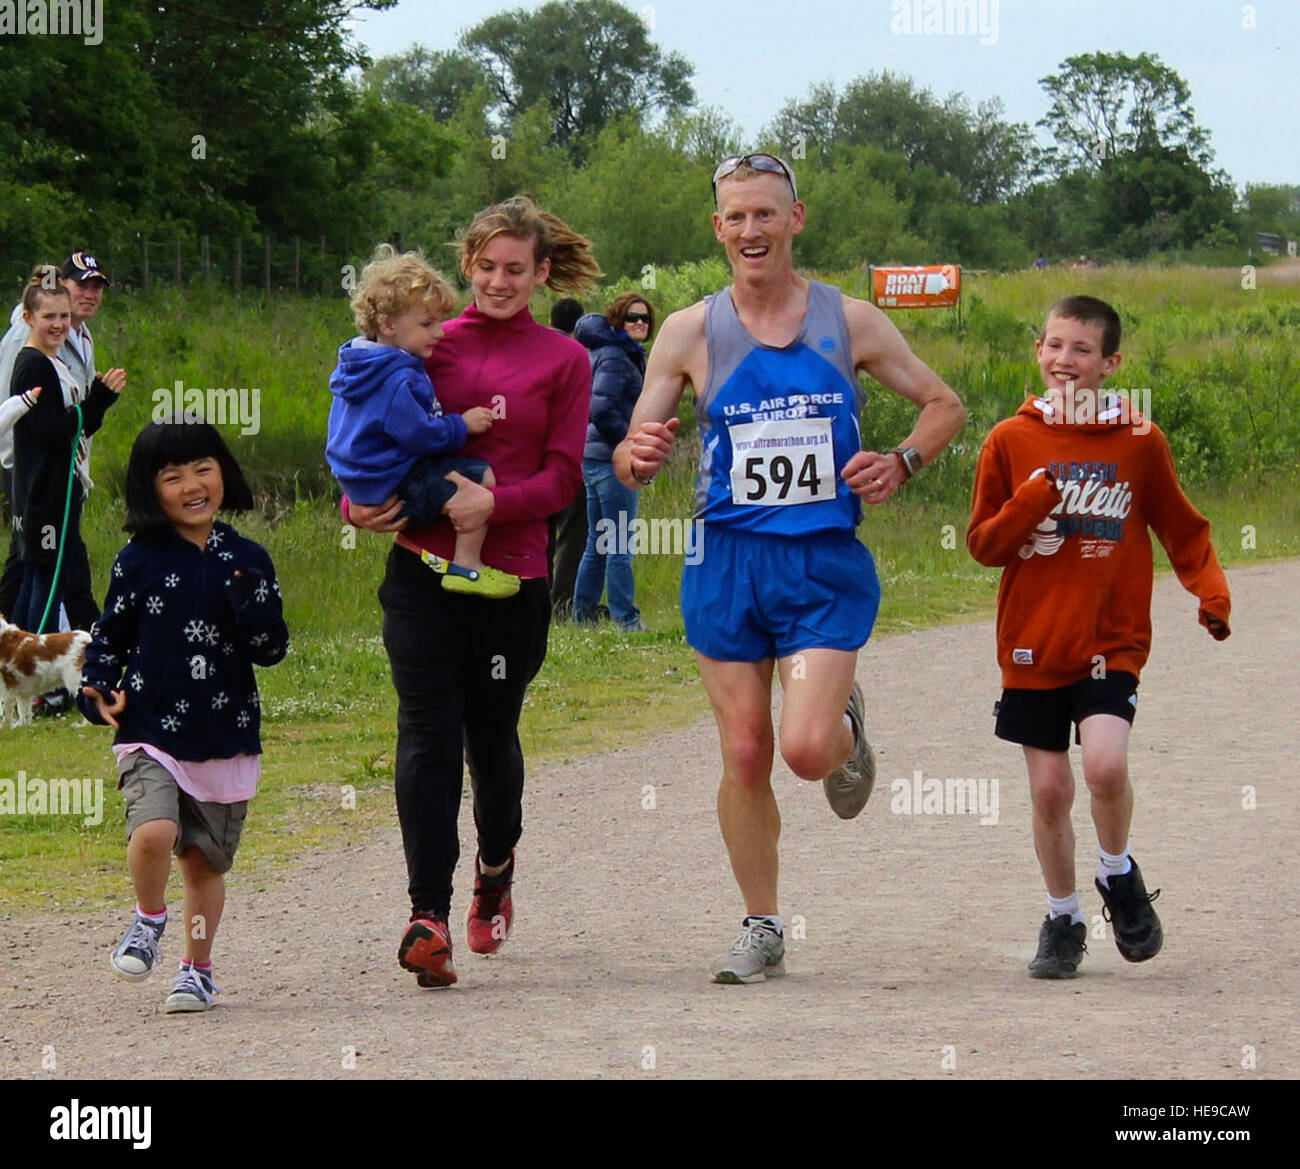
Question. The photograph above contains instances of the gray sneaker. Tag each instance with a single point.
(138, 950)
(848, 787)
(757, 954)
(192, 990)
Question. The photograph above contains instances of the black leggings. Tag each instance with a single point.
(460, 666)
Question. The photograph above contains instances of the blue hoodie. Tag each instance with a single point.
(617, 374)
(383, 419)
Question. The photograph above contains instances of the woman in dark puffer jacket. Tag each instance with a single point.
(617, 373)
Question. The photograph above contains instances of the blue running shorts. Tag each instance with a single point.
(753, 596)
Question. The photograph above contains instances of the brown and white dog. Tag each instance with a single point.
(32, 665)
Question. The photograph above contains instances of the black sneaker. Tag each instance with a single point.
(51, 705)
(1060, 948)
(1127, 906)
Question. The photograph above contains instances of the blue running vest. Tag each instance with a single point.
(778, 425)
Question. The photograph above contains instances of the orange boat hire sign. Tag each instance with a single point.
(930, 286)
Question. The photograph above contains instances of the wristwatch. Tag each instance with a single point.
(911, 459)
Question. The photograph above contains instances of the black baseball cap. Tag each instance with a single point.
(82, 266)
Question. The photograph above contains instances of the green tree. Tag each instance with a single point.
(591, 60)
(1106, 104)
(435, 82)
(988, 156)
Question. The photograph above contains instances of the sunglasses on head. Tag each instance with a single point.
(637, 319)
(764, 162)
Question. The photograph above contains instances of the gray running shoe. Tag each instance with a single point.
(138, 950)
(192, 990)
(848, 787)
(758, 953)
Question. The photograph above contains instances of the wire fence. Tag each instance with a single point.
(253, 263)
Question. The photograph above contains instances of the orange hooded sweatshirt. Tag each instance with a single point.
(1063, 509)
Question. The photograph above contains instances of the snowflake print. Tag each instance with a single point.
(108, 659)
(137, 682)
(119, 604)
(154, 605)
(219, 700)
(212, 635)
(182, 706)
(226, 555)
(214, 538)
(254, 700)
(228, 647)
(261, 591)
(276, 585)
(117, 569)
(243, 720)
(260, 639)
(194, 631)
(170, 724)
(171, 580)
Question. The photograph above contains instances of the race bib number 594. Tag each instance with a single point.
(782, 462)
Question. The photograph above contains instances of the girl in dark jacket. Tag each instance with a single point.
(617, 373)
(45, 443)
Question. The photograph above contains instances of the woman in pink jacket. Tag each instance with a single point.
(461, 664)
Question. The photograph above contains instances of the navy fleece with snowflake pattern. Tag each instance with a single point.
(180, 633)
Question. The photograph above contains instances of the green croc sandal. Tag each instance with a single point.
(481, 582)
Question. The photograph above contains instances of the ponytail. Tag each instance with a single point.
(573, 265)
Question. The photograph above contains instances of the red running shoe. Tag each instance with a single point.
(426, 950)
(491, 911)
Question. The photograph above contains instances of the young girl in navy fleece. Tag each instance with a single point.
(192, 607)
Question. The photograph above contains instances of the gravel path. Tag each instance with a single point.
(918, 927)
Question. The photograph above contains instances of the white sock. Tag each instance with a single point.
(1112, 866)
(1057, 906)
(152, 918)
(772, 919)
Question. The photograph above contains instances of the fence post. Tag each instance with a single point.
(239, 261)
(266, 262)
(178, 259)
(207, 257)
(144, 279)
(297, 286)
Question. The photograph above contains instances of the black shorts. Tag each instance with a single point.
(425, 490)
(1042, 718)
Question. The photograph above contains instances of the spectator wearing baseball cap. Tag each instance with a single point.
(85, 281)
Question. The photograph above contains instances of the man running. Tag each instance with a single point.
(783, 580)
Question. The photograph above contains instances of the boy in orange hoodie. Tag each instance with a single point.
(1064, 493)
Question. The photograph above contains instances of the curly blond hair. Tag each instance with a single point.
(394, 281)
(573, 265)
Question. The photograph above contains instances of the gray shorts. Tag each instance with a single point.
(152, 793)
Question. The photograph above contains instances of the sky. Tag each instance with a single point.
(750, 56)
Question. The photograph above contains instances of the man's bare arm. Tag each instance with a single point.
(678, 350)
(879, 348)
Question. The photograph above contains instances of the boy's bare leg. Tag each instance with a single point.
(469, 545)
(149, 860)
(1051, 788)
(1104, 738)
(815, 739)
(205, 898)
(741, 695)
